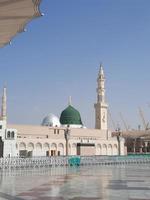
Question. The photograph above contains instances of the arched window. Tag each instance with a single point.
(46, 146)
(30, 146)
(104, 149)
(8, 134)
(12, 134)
(38, 146)
(53, 149)
(99, 149)
(61, 149)
(109, 152)
(53, 146)
(115, 149)
(22, 146)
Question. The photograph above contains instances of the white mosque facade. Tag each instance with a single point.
(64, 136)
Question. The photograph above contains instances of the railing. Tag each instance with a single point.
(39, 162)
(114, 160)
(34, 162)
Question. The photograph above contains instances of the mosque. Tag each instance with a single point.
(64, 136)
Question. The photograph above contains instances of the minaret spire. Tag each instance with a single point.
(101, 106)
(101, 85)
(4, 105)
(101, 71)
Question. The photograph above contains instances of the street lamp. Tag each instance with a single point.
(67, 137)
(118, 139)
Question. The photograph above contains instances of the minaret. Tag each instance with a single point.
(101, 106)
(4, 105)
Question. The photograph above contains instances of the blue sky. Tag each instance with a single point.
(60, 53)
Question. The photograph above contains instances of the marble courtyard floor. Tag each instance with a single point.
(77, 183)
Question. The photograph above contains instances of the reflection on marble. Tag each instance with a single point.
(77, 183)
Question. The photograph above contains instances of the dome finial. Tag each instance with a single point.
(70, 101)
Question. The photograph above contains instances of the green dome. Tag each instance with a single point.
(70, 116)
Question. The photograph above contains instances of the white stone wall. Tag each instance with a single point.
(107, 148)
(8, 137)
(10, 149)
(10, 143)
(40, 148)
(2, 129)
(42, 141)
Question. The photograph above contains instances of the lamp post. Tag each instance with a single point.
(134, 146)
(145, 144)
(142, 144)
(118, 139)
(67, 136)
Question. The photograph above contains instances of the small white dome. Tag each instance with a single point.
(51, 120)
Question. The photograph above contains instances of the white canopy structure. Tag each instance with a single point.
(14, 15)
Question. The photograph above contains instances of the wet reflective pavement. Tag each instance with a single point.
(77, 183)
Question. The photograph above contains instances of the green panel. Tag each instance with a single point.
(74, 161)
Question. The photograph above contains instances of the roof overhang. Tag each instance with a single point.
(14, 15)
